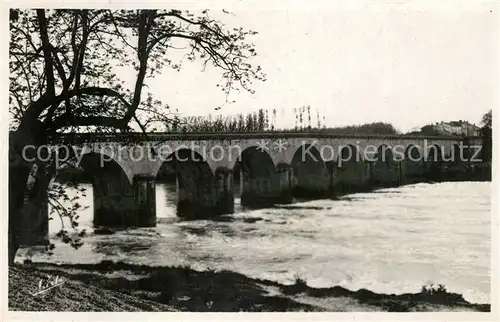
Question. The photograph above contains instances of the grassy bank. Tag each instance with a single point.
(109, 286)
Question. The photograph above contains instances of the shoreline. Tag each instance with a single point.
(117, 286)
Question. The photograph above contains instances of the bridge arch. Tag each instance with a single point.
(385, 156)
(78, 157)
(113, 193)
(175, 159)
(254, 162)
(413, 153)
(433, 160)
(311, 175)
(433, 154)
(255, 177)
(385, 170)
(249, 152)
(412, 165)
(111, 187)
(454, 155)
(105, 155)
(351, 169)
(97, 164)
(183, 161)
(349, 154)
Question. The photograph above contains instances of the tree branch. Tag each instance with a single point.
(46, 47)
(94, 91)
(83, 45)
(104, 121)
(146, 18)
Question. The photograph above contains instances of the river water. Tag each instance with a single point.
(391, 241)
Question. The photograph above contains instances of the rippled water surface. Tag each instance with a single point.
(391, 241)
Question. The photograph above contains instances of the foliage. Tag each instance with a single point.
(65, 207)
(432, 289)
(299, 281)
(487, 119)
(368, 128)
(429, 130)
(61, 204)
(487, 134)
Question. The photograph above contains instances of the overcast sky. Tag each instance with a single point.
(394, 63)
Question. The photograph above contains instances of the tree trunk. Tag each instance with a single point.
(19, 171)
(18, 176)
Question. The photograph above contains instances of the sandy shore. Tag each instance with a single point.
(109, 286)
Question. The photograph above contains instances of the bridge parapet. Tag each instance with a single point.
(133, 137)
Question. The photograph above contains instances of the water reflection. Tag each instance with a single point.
(166, 200)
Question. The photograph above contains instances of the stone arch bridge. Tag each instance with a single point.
(262, 168)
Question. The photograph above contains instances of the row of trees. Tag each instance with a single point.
(250, 122)
(263, 120)
(368, 128)
(428, 129)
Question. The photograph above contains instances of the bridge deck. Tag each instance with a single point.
(187, 136)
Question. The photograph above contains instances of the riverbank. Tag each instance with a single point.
(110, 286)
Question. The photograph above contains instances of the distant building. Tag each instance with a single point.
(444, 128)
(456, 128)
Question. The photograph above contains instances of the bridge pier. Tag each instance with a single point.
(412, 166)
(285, 173)
(225, 192)
(267, 191)
(333, 177)
(115, 209)
(121, 205)
(433, 170)
(352, 177)
(205, 200)
(313, 182)
(145, 195)
(385, 174)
